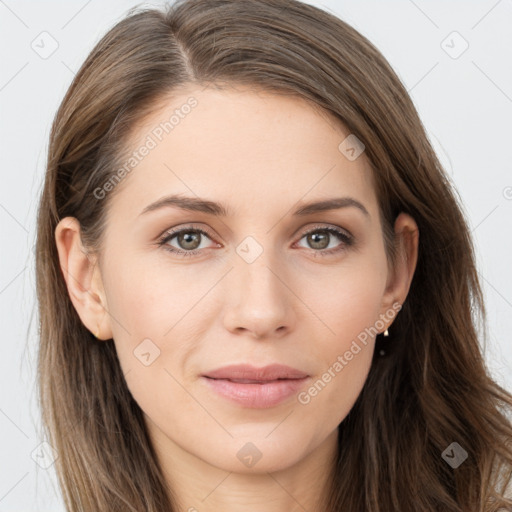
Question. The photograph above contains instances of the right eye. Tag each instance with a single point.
(188, 240)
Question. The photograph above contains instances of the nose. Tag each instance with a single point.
(260, 300)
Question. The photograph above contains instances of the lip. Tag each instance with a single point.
(254, 387)
(249, 372)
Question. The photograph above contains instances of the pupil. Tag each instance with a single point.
(319, 241)
(189, 238)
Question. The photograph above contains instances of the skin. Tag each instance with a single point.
(259, 154)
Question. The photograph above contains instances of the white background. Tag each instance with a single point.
(465, 104)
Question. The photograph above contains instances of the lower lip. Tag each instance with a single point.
(257, 396)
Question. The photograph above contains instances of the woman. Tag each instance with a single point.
(257, 289)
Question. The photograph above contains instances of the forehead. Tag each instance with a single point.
(243, 147)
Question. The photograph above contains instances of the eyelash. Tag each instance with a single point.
(169, 235)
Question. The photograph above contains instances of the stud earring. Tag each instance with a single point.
(381, 349)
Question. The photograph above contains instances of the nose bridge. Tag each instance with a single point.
(260, 302)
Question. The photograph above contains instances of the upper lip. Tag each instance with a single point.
(266, 373)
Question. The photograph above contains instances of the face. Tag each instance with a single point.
(253, 281)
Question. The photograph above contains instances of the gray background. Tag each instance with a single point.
(464, 99)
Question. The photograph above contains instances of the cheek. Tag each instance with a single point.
(142, 305)
(158, 315)
(346, 298)
(348, 305)
(346, 360)
(146, 296)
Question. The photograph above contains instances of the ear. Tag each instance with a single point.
(400, 276)
(83, 279)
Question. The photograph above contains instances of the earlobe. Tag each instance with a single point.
(83, 279)
(400, 278)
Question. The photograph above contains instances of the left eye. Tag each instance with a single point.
(320, 238)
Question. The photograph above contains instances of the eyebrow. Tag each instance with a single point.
(197, 204)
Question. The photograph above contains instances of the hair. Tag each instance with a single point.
(431, 389)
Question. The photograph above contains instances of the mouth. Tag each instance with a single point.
(249, 381)
(245, 373)
(253, 391)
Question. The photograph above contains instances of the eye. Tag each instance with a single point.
(319, 238)
(189, 240)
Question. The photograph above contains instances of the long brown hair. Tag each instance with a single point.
(431, 390)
